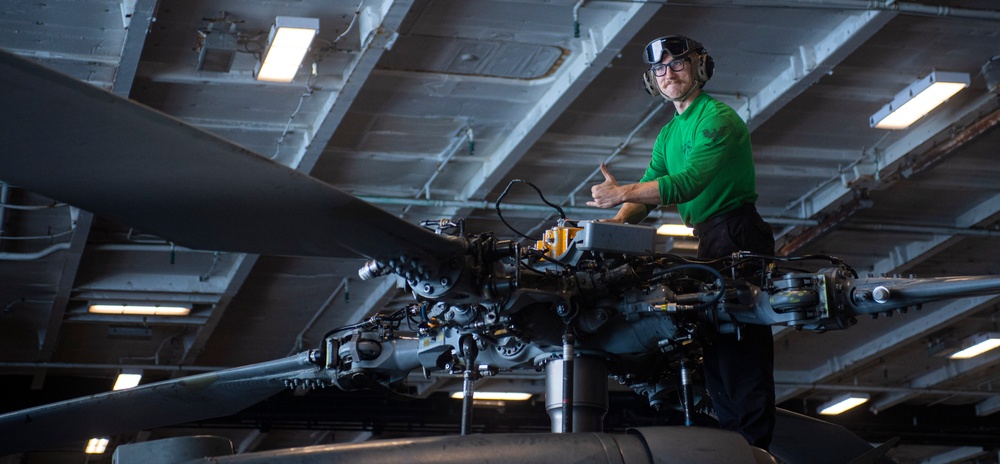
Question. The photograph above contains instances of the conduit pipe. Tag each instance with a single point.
(35, 255)
(914, 9)
(910, 8)
(300, 338)
(665, 215)
(879, 389)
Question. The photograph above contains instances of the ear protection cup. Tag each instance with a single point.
(704, 69)
(649, 83)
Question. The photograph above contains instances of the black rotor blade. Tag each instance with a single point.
(176, 401)
(79, 144)
(803, 439)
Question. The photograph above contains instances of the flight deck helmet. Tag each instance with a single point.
(678, 47)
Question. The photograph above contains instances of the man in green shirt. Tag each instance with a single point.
(702, 162)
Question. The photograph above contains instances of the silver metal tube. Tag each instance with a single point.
(495, 448)
(590, 394)
(669, 445)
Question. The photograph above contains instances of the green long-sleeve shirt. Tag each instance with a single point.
(703, 162)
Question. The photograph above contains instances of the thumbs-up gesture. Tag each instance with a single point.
(606, 194)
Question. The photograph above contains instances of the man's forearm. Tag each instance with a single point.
(631, 213)
(647, 193)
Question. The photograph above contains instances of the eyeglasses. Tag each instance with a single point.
(660, 69)
(677, 46)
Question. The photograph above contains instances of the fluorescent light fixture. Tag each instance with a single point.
(843, 403)
(141, 310)
(919, 99)
(978, 345)
(127, 380)
(675, 230)
(494, 396)
(287, 44)
(96, 446)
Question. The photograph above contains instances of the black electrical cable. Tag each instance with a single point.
(562, 215)
(395, 316)
(718, 277)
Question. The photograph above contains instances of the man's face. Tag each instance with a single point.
(673, 84)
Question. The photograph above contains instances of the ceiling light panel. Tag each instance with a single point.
(287, 45)
(918, 99)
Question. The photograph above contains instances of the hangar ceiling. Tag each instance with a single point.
(429, 108)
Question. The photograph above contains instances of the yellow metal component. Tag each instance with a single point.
(556, 240)
(668, 307)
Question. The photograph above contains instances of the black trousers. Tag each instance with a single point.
(739, 372)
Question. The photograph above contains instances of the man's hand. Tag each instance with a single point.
(606, 194)
(632, 197)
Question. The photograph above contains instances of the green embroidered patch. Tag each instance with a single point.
(715, 134)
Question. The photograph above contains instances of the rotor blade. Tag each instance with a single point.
(803, 439)
(79, 144)
(176, 401)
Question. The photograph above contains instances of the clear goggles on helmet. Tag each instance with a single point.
(677, 46)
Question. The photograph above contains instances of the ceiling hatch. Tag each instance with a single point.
(473, 57)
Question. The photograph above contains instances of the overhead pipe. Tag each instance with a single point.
(911, 8)
(880, 389)
(300, 338)
(576, 19)
(923, 10)
(452, 150)
(877, 227)
(35, 255)
(587, 211)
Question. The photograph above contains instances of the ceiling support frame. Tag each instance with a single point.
(597, 49)
(811, 64)
(892, 161)
(951, 370)
(863, 354)
(378, 33)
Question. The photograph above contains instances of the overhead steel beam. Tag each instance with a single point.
(988, 406)
(949, 371)
(49, 335)
(136, 26)
(376, 299)
(250, 443)
(906, 255)
(865, 353)
(593, 52)
(194, 344)
(943, 151)
(136, 29)
(893, 162)
(377, 25)
(828, 223)
(812, 63)
(957, 455)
